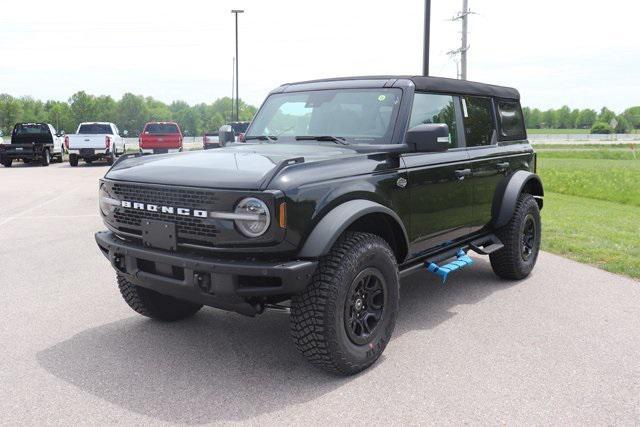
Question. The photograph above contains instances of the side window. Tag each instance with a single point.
(511, 120)
(479, 127)
(432, 108)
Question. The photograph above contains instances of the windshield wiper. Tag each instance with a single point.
(261, 137)
(336, 139)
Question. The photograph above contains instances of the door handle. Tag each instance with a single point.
(502, 166)
(462, 173)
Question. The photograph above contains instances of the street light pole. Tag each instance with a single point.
(427, 30)
(236, 12)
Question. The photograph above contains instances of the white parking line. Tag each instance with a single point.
(39, 205)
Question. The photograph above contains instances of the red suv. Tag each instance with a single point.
(160, 137)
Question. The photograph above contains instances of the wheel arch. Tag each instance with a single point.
(507, 193)
(357, 215)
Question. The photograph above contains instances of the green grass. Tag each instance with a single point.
(557, 131)
(564, 131)
(540, 146)
(596, 232)
(602, 179)
(592, 207)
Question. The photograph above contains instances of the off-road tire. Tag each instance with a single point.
(73, 160)
(317, 316)
(7, 163)
(509, 262)
(155, 305)
(110, 159)
(46, 158)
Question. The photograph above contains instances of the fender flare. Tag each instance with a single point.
(507, 193)
(336, 221)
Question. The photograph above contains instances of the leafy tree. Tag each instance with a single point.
(132, 113)
(60, 116)
(601, 127)
(83, 107)
(606, 115)
(633, 116)
(623, 125)
(563, 118)
(549, 119)
(586, 119)
(10, 113)
(106, 109)
(573, 118)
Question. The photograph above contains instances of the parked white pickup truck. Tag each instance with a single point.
(93, 141)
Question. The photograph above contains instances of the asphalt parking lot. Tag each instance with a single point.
(561, 347)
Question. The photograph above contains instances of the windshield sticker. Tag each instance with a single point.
(382, 98)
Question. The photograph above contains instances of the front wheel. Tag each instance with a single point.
(7, 162)
(344, 319)
(155, 305)
(521, 239)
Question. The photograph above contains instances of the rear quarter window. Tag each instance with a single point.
(511, 120)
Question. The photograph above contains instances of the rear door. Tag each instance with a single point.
(496, 149)
(440, 193)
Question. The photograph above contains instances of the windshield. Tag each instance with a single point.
(94, 129)
(363, 116)
(161, 128)
(239, 127)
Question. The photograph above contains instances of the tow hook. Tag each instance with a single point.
(202, 281)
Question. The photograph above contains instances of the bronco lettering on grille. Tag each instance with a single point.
(164, 209)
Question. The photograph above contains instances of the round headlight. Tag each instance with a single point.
(107, 203)
(254, 217)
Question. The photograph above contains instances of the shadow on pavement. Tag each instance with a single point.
(221, 366)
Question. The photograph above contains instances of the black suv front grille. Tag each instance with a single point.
(185, 198)
(189, 229)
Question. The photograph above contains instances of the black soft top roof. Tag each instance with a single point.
(422, 83)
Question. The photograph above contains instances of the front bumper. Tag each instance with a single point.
(216, 282)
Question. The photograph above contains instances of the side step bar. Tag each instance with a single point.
(484, 245)
(462, 260)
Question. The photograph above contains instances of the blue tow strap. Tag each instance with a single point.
(462, 260)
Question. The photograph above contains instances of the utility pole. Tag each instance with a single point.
(236, 12)
(427, 31)
(464, 46)
(233, 86)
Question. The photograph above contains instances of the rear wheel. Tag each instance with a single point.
(7, 162)
(521, 239)
(110, 159)
(73, 160)
(46, 158)
(155, 305)
(344, 319)
(26, 161)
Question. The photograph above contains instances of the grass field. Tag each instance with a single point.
(592, 207)
(557, 131)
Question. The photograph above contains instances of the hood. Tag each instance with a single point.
(240, 166)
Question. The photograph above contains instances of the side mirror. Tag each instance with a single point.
(428, 138)
(226, 134)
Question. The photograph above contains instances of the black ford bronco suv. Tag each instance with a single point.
(342, 187)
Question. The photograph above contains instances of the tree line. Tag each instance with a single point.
(129, 113)
(597, 122)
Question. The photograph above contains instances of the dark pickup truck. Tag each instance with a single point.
(32, 142)
(343, 187)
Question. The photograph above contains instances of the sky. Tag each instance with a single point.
(584, 54)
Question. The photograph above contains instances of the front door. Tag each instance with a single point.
(441, 194)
